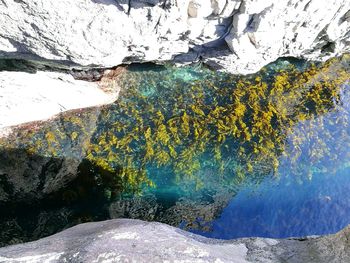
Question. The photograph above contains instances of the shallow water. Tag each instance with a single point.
(219, 155)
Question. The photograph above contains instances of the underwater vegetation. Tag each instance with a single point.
(194, 120)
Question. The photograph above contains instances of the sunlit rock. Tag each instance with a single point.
(107, 33)
(200, 8)
(265, 30)
(139, 241)
(30, 174)
(29, 97)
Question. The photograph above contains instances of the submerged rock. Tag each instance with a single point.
(239, 36)
(25, 177)
(28, 174)
(127, 240)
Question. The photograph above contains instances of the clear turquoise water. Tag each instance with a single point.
(311, 197)
(308, 193)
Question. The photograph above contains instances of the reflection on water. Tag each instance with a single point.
(183, 142)
(287, 208)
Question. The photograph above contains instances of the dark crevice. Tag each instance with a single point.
(4, 3)
(129, 7)
(307, 5)
(329, 47)
(251, 24)
(345, 17)
(157, 24)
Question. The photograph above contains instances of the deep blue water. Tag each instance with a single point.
(315, 203)
(287, 208)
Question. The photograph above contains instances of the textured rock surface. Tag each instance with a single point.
(27, 176)
(262, 31)
(137, 241)
(28, 97)
(238, 35)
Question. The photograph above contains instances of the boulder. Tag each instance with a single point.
(27, 175)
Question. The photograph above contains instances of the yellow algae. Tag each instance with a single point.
(245, 118)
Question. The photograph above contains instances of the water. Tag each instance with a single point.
(287, 209)
(315, 204)
(219, 155)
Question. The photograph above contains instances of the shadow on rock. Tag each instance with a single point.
(29, 211)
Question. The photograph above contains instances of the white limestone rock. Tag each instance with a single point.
(107, 33)
(26, 97)
(265, 30)
(200, 8)
(104, 33)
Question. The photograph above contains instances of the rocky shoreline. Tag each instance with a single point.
(77, 47)
(237, 36)
(126, 240)
(29, 97)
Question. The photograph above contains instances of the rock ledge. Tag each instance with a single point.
(126, 240)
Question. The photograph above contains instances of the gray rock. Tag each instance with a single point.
(127, 240)
(245, 34)
(26, 177)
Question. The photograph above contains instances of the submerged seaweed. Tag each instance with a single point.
(191, 134)
(232, 125)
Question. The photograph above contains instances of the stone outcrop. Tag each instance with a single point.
(262, 31)
(26, 97)
(29, 97)
(239, 36)
(126, 240)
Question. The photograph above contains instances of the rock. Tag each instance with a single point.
(238, 36)
(26, 177)
(197, 213)
(262, 31)
(29, 97)
(191, 213)
(145, 208)
(29, 172)
(198, 8)
(126, 240)
(16, 230)
(104, 33)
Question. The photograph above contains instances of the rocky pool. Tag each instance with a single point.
(220, 155)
